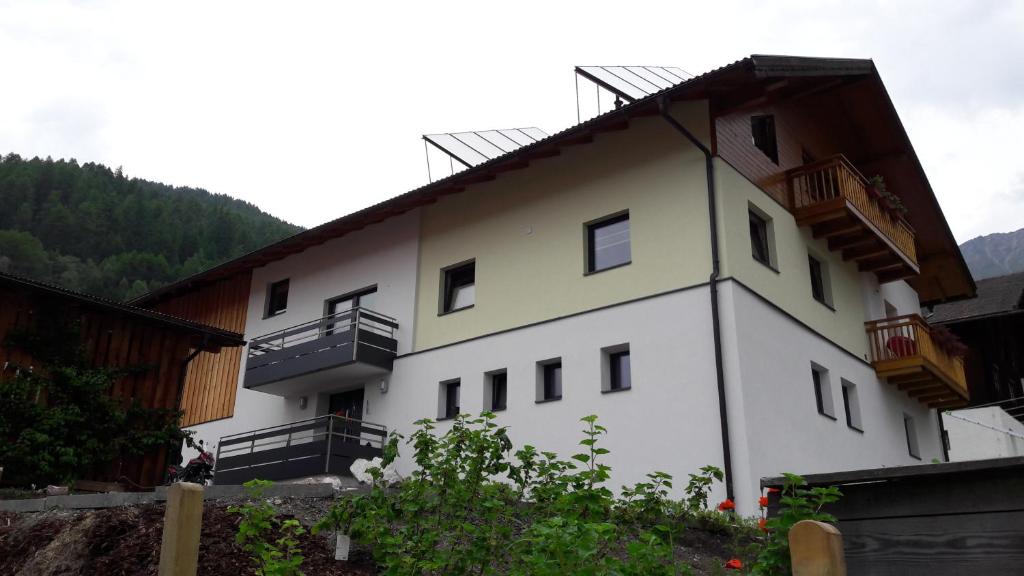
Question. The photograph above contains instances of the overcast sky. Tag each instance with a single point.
(311, 110)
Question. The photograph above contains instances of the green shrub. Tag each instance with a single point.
(796, 502)
(272, 543)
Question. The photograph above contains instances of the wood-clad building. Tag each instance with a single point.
(115, 335)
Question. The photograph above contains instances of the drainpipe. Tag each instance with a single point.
(184, 370)
(709, 169)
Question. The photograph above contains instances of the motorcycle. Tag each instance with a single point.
(199, 470)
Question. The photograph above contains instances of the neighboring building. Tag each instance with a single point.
(114, 335)
(992, 327)
(705, 268)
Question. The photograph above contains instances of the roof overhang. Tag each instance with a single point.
(944, 272)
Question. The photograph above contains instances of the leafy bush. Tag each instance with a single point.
(796, 502)
(58, 421)
(469, 508)
(273, 543)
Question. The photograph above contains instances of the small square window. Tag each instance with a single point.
(762, 134)
(549, 384)
(821, 288)
(450, 397)
(852, 406)
(459, 287)
(616, 371)
(496, 391)
(823, 391)
(277, 298)
(608, 243)
(911, 431)
(760, 237)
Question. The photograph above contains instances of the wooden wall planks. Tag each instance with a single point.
(212, 379)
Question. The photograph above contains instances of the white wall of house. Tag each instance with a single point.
(383, 254)
(668, 421)
(982, 433)
(775, 424)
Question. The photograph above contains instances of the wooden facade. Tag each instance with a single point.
(212, 379)
(113, 335)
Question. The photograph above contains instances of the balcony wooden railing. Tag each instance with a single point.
(832, 197)
(904, 352)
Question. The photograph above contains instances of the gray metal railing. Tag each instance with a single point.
(356, 318)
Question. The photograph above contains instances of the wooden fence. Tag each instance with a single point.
(935, 519)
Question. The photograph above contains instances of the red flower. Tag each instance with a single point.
(774, 490)
(727, 505)
(763, 501)
(734, 564)
(763, 524)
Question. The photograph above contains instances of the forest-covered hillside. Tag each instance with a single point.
(89, 228)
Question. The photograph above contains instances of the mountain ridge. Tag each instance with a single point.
(996, 254)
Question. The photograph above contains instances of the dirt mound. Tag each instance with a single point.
(126, 542)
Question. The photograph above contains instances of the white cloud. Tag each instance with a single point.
(314, 109)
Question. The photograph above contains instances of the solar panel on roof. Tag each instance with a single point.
(474, 148)
(633, 82)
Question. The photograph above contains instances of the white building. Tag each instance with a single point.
(705, 268)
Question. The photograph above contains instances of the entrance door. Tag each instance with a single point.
(350, 405)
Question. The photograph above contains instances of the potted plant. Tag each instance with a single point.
(876, 187)
(948, 342)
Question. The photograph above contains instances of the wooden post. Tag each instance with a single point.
(183, 519)
(816, 549)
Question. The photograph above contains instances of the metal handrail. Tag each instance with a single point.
(355, 318)
(285, 435)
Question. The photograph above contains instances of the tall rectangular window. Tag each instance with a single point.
(822, 391)
(762, 134)
(852, 406)
(820, 286)
(608, 243)
(499, 391)
(450, 392)
(458, 287)
(760, 238)
(277, 298)
(911, 432)
(549, 381)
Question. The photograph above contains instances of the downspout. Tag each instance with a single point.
(709, 169)
(184, 370)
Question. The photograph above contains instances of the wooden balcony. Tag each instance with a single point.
(832, 197)
(905, 354)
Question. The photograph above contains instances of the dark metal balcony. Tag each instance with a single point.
(324, 445)
(332, 352)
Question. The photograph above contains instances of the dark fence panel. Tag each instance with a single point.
(936, 520)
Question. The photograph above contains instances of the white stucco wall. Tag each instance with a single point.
(384, 254)
(982, 433)
(668, 421)
(775, 425)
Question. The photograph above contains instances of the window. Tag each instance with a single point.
(277, 298)
(760, 237)
(459, 287)
(608, 243)
(616, 372)
(821, 288)
(450, 392)
(762, 134)
(852, 406)
(890, 310)
(496, 391)
(365, 299)
(549, 381)
(822, 391)
(911, 432)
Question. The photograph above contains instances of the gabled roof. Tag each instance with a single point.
(999, 296)
(727, 80)
(212, 337)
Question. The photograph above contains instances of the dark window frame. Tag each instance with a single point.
(498, 381)
(820, 288)
(760, 229)
(910, 432)
(449, 283)
(615, 372)
(548, 384)
(764, 136)
(819, 379)
(847, 386)
(589, 235)
(451, 410)
(269, 309)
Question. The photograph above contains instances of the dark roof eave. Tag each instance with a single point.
(211, 336)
